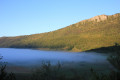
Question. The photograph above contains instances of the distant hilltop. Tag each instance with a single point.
(96, 32)
(100, 17)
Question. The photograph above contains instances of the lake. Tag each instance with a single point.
(33, 58)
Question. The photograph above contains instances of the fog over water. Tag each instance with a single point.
(28, 57)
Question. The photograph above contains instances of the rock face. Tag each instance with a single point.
(116, 15)
(98, 18)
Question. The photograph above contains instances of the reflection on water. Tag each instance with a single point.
(28, 57)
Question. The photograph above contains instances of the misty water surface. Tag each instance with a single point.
(28, 57)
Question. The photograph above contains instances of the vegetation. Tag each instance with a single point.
(4, 75)
(47, 71)
(115, 59)
(111, 49)
(101, 76)
(57, 72)
(82, 36)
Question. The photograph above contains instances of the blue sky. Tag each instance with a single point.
(24, 17)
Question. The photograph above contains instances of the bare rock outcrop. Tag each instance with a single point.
(99, 18)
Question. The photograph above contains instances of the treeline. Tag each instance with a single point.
(47, 71)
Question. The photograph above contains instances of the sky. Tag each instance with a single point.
(25, 17)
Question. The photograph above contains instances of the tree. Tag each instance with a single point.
(3, 74)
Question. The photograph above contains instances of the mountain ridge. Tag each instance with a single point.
(96, 32)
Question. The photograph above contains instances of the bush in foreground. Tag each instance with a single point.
(4, 75)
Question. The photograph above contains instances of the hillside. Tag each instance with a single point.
(96, 32)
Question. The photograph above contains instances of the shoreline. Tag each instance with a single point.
(46, 49)
(104, 50)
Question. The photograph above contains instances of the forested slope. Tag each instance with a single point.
(96, 32)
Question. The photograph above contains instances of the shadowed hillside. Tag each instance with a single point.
(99, 31)
(111, 49)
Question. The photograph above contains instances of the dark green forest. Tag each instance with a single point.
(82, 36)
